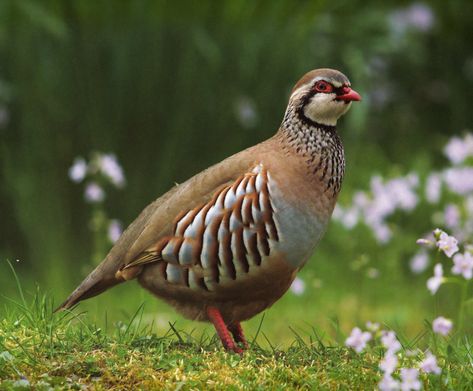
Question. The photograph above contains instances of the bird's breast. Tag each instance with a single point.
(301, 215)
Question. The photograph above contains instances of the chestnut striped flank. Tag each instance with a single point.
(221, 240)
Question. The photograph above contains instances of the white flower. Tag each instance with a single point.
(350, 217)
(402, 190)
(463, 264)
(446, 243)
(382, 232)
(386, 198)
(442, 325)
(358, 339)
(78, 170)
(390, 342)
(433, 283)
(419, 262)
(459, 180)
(389, 363)
(361, 200)
(433, 188)
(410, 379)
(114, 230)
(451, 216)
(387, 383)
(94, 193)
(456, 150)
(429, 364)
(420, 16)
(298, 286)
(110, 167)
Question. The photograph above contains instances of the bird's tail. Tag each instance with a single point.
(103, 277)
(111, 272)
(99, 280)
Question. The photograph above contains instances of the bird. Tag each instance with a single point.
(227, 243)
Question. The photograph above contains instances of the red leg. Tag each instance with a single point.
(216, 318)
(238, 335)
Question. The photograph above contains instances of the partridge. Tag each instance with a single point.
(227, 243)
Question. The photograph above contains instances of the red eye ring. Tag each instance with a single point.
(323, 86)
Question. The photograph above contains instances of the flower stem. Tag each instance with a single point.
(461, 312)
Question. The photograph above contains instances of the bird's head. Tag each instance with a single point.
(323, 96)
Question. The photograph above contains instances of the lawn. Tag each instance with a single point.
(67, 351)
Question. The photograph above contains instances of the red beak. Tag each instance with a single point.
(348, 95)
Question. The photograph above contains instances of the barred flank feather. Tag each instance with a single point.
(225, 237)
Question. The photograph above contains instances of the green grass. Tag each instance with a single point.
(46, 350)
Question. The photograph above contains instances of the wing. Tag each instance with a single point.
(156, 220)
(220, 239)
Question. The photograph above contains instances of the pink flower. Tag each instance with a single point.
(456, 150)
(442, 325)
(451, 216)
(433, 283)
(114, 230)
(298, 286)
(78, 170)
(419, 262)
(94, 193)
(402, 189)
(110, 167)
(382, 232)
(389, 363)
(358, 339)
(429, 364)
(410, 379)
(387, 383)
(463, 264)
(390, 342)
(417, 16)
(446, 243)
(459, 180)
(433, 188)
(350, 217)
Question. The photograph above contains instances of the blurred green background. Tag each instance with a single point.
(171, 87)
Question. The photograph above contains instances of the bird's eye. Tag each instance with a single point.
(323, 86)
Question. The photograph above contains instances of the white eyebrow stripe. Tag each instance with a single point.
(304, 87)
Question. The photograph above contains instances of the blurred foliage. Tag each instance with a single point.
(173, 86)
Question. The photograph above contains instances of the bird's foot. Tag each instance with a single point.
(223, 331)
(238, 335)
